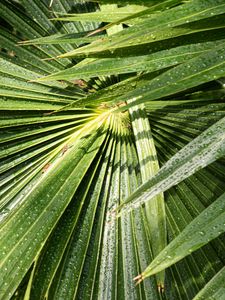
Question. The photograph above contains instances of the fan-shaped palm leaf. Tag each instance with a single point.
(126, 116)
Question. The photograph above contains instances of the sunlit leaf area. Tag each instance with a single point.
(112, 150)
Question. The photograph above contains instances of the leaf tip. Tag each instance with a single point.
(49, 58)
(161, 288)
(21, 43)
(138, 279)
(48, 113)
(94, 32)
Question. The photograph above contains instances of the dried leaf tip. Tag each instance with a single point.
(161, 288)
(33, 80)
(49, 58)
(138, 279)
(94, 32)
(112, 212)
(48, 113)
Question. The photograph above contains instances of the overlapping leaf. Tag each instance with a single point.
(206, 148)
(214, 288)
(207, 226)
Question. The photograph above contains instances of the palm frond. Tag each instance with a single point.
(96, 118)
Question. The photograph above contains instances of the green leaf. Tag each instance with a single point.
(214, 288)
(136, 17)
(139, 2)
(175, 22)
(67, 248)
(150, 63)
(112, 15)
(61, 176)
(204, 228)
(203, 150)
(73, 38)
(26, 243)
(91, 264)
(203, 68)
(149, 166)
(134, 14)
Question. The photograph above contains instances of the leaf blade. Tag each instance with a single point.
(203, 150)
(204, 228)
